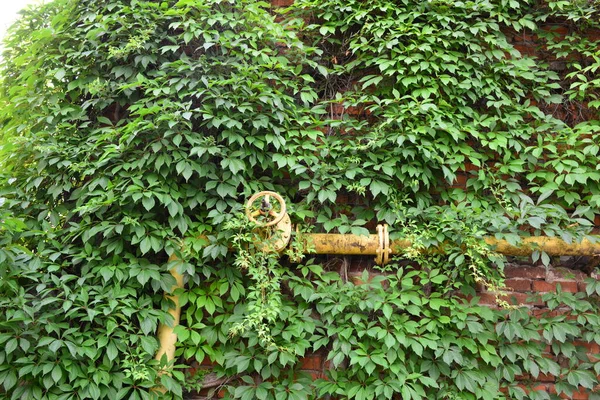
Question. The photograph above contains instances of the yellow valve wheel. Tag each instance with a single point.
(266, 208)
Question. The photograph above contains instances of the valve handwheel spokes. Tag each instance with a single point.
(266, 208)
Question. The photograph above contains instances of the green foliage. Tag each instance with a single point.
(132, 131)
(405, 332)
(140, 123)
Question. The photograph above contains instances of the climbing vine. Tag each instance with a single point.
(133, 131)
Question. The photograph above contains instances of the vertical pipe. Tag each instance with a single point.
(166, 337)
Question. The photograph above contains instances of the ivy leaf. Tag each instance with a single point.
(148, 203)
(581, 378)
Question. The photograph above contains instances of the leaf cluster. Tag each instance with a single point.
(131, 131)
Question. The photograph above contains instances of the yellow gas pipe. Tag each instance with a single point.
(331, 243)
(166, 336)
(378, 245)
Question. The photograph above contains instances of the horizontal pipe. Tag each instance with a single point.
(331, 243)
(551, 245)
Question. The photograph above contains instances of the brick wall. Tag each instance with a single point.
(525, 283)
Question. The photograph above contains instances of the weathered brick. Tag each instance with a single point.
(206, 362)
(519, 284)
(513, 298)
(568, 286)
(543, 286)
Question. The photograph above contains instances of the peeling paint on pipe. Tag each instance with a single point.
(330, 243)
(551, 245)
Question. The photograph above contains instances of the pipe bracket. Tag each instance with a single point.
(382, 254)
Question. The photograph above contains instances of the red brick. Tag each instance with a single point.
(487, 298)
(519, 285)
(525, 50)
(525, 272)
(460, 182)
(594, 34)
(581, 394)
(470, 167)
(527, 37)
(543, 286)
(591, 347)
(355, 111)
(540, 388)
(282, 3)
(568, 286)
(528, 389)
(545, 378)
(313, 362)
(562, 30)
(511, 298)
(479, 287)
(206, 362)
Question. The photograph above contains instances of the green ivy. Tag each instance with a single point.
(141, 123)
(134, 130)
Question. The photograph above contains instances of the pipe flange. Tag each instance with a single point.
(383, 251)
(386, 245)
(380, 247)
